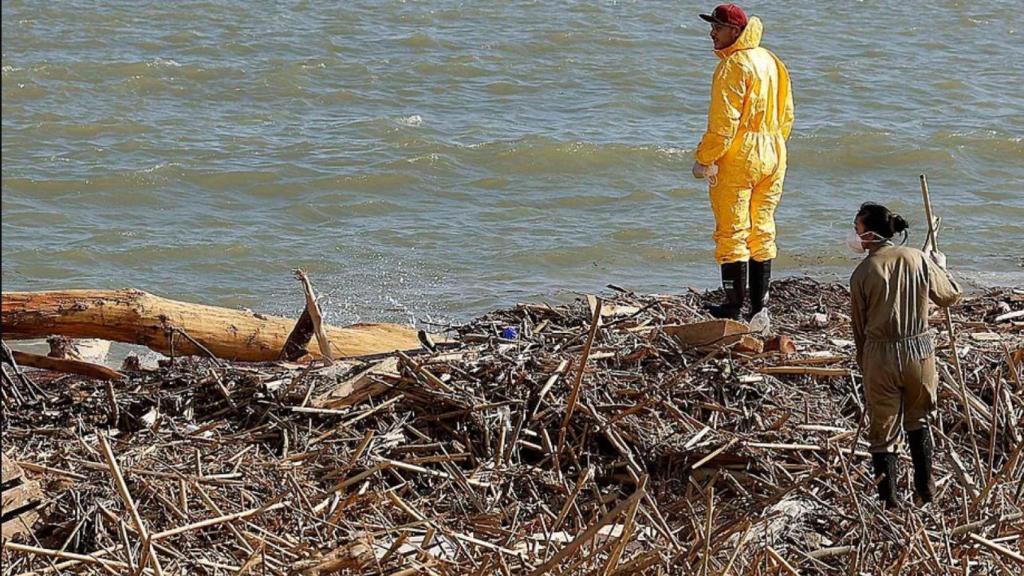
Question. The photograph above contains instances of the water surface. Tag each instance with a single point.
(433, 160)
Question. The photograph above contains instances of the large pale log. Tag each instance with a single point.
(137, 317)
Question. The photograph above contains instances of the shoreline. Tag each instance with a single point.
(119, 350)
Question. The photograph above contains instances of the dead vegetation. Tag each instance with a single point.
(588, 440)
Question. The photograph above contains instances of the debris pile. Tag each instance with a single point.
(593, 437)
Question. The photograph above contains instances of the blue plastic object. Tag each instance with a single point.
(510, 333)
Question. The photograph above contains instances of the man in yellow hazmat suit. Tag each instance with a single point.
(743, 155)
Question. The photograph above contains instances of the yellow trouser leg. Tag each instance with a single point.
(730, 203)
(764, 199)
(771, 153)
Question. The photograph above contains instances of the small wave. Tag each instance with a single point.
(202, 74)
(583, 201)
(230, 179)
(159, 167)
(162, 63)
(186, 37)
(23, 91)
(618, 41)
(507, 88)
(420, 40)
(370, 208)
(539, 155)
(452, 69)
(365, 182)
(594, 200)
(144, 85)
(425, 159)
(340, 96)
(633, 235)
(89, 130)
(674, 152)
(640, 196)
(864, 150)
(492, 183)
(413, 121)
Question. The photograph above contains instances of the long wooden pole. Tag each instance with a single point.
(933, 238)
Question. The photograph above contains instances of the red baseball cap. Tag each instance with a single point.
(728, 15)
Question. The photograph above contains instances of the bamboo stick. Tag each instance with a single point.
(591, 531)
(129, 503)
(83, 558)
(998, 548)
(933, 237)
(574, 395)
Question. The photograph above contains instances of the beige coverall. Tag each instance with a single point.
(889, 291)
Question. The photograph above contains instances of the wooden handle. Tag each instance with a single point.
(932, 238)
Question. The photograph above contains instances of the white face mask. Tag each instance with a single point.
(856, 241)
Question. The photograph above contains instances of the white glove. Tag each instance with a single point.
(699, 170)
(938, 258)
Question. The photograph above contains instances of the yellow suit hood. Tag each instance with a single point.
(749, 38)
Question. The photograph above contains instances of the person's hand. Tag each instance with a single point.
(699, 170)
(938, 258)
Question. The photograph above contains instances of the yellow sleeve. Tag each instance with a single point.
(728, 90)
(786, 95)
(941, 288)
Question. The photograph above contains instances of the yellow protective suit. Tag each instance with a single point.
(749, 120)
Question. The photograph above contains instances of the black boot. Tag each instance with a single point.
(885, 475)
(760, 278)
(734, 282)
(921, 452)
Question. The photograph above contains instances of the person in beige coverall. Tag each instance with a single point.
(889, 292)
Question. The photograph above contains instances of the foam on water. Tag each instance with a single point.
(413, 121)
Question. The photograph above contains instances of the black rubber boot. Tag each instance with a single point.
(760, 279)
(921, 452)
(734, 282)
(885, 475)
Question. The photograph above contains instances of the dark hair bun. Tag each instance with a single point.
(899, 224)
(880, 220)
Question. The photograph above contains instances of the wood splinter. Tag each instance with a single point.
(310, 323)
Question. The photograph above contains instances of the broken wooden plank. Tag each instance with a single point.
(360, 387)
(21, 498)
(710, 333)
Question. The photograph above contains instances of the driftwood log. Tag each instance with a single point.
(66, 365)
(182, 328)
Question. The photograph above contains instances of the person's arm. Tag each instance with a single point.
(786, 121)
(941, 288)
(728, 91)
(858, 315)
